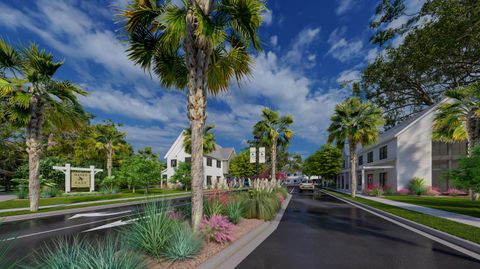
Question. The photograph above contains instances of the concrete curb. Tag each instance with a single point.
(472, 249)
(234, 254)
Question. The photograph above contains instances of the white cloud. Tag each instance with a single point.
(268, 17)
(274, 40)
(160, 139)
(344, 6)
(341, 48)
(301, 45)
(372, 55)
(348, 76)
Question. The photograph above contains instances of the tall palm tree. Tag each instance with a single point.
(208, 140)
(200, 46)
(37, 101)
(276, 130)
(109, 138)
(357, 123)
(458, 119)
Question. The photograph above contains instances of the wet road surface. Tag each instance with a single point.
(324, 232)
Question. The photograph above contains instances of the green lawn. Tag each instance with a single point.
(461, 230)
(460, 205)
(19, 203)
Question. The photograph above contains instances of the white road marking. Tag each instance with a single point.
(427, 235)
(110, 225)
(98, 214)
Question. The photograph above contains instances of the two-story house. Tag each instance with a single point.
(404, 152)
(215, 164)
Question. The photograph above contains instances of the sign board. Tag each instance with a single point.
(261, 155)
(253, 155)
(80, 179)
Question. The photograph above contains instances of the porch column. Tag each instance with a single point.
(363, 180)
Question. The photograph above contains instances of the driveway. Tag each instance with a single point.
(324, 232)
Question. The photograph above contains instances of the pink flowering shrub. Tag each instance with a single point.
(217, 228)
(404, 191)
(433, 191)
(455, 192)
(375, 190)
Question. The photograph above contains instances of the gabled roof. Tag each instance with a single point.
(219, 153)
(178, 140)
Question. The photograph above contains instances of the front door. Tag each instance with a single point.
(369, 181)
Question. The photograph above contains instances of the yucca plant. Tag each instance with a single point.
(152, 230)
(183, 244)
(234, 210)
(213, 206)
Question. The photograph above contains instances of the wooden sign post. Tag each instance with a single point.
(78, 177)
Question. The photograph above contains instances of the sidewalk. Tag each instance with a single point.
(469, 220)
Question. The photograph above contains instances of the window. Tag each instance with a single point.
(370, 157)
(219, 164)
(209, 161)
(173, 163)
(383, 152)
(209, 180)
(218, 179)
(188, 159)
(382, 179)
(360, 160)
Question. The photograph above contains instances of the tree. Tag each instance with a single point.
(201, 46)
(274, 128)
(311, 165)
(109, 138)
(357, 123)
(208, 140)
(37, 101)
(467, 175)
(294, 163)
(406, 78)
(183, 174)
(330, 161)
(138, 170)
(148, 153)
(241, 167)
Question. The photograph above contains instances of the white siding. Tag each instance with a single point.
(414, 152)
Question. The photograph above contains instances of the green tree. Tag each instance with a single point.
(138, 170)
(406, 78)
(208, 140)
(274, 128)
(467, 175)
(37, 101)
(110, 139)
(241, 167)
(330, 161)
(311, 165)
(357, 123)
(183, 174)
(148, 153)
(294, 163)
(201, 46)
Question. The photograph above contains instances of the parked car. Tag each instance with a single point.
(307, 185)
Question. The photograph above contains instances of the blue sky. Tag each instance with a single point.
(310, 47)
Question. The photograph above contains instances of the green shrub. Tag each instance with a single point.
(80, 253)
(234, 211)
(48, 192)
(260, 205)
(212, 206)
(417, 186)
(110, 185)
(152, 230)
(183, 244)
(283, 191)
(22, 192)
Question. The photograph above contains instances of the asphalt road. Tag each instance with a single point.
(324, 232)
(29, 236)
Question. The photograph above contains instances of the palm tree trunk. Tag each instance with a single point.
(109, 159)
(34, 148)
(198, 52)
(471, 122)
(274, 158)
(353, 170)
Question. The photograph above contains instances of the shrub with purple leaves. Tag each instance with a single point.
(217, 228)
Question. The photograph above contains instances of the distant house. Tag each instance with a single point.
(404, 152)
(215, 164)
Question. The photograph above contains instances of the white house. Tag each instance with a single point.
(215, 164)
(404, 152)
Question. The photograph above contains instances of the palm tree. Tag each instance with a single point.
(276, 130)
(208, 140)
(37, 101)
(200, 46)
(109, 138)
(458, 119)
(357, 123)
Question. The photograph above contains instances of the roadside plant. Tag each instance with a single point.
(261, 205)
(109, 184)
(403, 191)
(213, 206)
(217, 228)
(234, 211)
(183, 244)
(417, 186)
(433, 191)
(151, 231)
(455, 192)
(375, 190)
